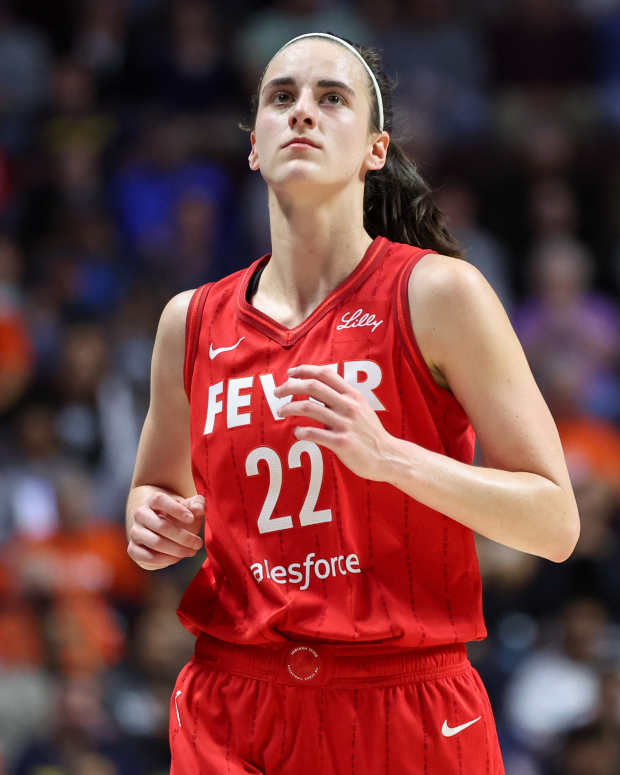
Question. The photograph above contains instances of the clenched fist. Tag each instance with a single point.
(165, 529)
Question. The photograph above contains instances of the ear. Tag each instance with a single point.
(378, 152)
(253, 157)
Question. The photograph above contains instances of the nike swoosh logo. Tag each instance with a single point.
(176, 696)
(447, 731)
(214, 351)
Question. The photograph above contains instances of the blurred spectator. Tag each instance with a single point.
(607, 37)
(590, 750)
(27, 498)
(82, 554)
(592, 450)
(195, 70)
(553, 209)
(193, 242)
(609, 707)
(265, 31)
(438, 60)
(6, 185)
(255, 204)
(564, 322)
(78, 272)
(140, 687)
(133, 329)
(75, 135)
(458, 202)
(149, 193)
(100, 40)
(80, 737)
(546, 144)
(26, 703)
(24, 77)
(556, 687)
(557, 40)
(16, 356)
(78, 577)
(96, 420)
(509, 575)
(100, 273)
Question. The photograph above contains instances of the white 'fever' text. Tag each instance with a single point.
(365, 376)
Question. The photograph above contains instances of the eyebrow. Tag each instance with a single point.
(324, 83)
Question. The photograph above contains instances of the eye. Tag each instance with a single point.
(280, 97)
(333, 98)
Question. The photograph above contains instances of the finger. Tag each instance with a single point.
(164, 527)
(321, 436)
(148, 558)
(163, 503)
(324, 373)
(142, 535)
(196, 504)
(313, 411)
(309, 387)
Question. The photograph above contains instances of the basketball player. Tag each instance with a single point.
(322, 403)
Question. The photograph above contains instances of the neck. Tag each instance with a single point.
(314, 248)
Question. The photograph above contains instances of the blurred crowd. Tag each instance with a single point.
(123, 179)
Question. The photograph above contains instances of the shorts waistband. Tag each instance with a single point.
(303, 663)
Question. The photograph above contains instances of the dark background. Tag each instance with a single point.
(123, 179)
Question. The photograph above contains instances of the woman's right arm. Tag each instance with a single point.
(164, 515)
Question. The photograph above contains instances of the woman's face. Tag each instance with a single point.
(315, 90)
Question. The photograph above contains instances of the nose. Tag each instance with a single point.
(304, 111)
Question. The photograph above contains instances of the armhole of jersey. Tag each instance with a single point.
(405, 329)
(192, 333)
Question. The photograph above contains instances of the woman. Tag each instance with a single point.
(333, 386)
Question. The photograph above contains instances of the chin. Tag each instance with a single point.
(302, 178)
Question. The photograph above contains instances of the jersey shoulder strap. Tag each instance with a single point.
(193, 322)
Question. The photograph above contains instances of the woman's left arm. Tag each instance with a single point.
(524, 498)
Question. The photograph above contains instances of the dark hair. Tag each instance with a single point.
(398, 202)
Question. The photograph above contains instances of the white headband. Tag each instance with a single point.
(353, 51)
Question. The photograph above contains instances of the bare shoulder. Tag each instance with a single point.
(441, 290)
(173, 318)
(174, 313)
(436, 279)
(169, 349)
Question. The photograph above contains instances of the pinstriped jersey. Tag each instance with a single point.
(298, 546)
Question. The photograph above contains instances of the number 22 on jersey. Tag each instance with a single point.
(307, 516)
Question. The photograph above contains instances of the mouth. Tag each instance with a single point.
(299, 142)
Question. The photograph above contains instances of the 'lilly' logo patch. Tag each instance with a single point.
(359, 318)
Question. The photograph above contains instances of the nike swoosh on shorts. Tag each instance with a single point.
(447, 731)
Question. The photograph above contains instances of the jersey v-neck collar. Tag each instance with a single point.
(288, 336)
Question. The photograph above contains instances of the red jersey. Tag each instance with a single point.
(299, 547)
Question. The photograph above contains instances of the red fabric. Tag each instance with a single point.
(380, 569)
(401, 717)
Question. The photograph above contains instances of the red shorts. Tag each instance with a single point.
(308, 709)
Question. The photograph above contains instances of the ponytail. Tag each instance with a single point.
(398, 204)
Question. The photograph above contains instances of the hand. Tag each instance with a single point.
(165, 529)
(352, 431)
